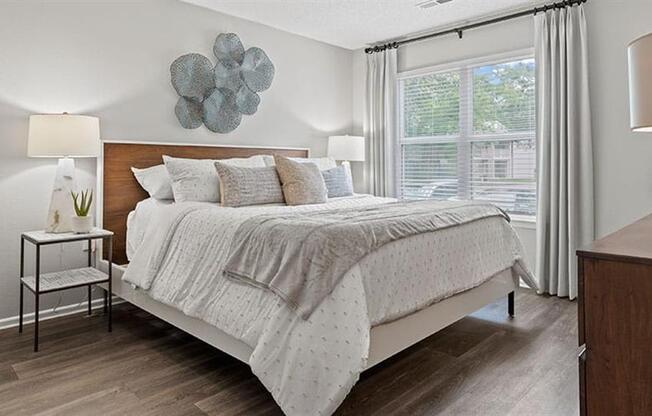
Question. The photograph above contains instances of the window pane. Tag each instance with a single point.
(504, 173)
(431, 105)
(503, 97)
(471, 136)
(429, 171)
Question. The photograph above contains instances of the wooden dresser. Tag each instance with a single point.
(615, 323)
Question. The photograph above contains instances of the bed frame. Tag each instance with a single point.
(119, 193)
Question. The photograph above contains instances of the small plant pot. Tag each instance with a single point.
(82, 225)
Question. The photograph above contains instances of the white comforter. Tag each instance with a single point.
(309, 366)
(138, 219)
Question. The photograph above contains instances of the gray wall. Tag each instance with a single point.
(111, 60)
(622, 159)
(623, 167)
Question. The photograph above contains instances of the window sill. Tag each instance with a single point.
(524, 221)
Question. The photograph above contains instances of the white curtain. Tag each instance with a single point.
(379, 123)
(565, 155)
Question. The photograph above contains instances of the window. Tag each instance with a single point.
(469, 133)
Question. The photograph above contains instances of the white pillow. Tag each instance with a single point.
(323, 163)
(197, 180)
(155, 181)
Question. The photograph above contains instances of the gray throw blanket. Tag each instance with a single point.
(303, 256)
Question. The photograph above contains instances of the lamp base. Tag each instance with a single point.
(61, 208)
(347, 166)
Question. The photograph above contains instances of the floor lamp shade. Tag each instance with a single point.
(63, 135)
(640, 83)
(350, 148)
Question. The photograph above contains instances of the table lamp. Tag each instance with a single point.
(346, 148)
(640, 84)
(64, 136)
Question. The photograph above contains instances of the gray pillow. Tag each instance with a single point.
(302, 182)
(241, 186)
(338, 182)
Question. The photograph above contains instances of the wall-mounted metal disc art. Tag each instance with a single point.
(219, 95)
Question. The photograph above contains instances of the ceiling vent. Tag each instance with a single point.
(426, 4)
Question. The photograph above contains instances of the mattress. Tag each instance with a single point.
(308, 365)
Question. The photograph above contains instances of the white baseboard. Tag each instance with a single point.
(46, 314)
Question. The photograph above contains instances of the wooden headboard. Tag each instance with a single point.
(121, 192)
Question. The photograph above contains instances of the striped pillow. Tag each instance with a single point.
(248, 186)
(338, 182)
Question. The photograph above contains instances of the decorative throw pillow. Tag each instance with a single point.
(155, 181)
(302, 182)
(338, 182)
(248, 186)
(197, 180)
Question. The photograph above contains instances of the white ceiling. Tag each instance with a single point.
(354, 24)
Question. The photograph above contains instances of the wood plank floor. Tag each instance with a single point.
(484, 364)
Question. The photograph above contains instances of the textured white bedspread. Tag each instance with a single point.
(139, 218)
(309, 366)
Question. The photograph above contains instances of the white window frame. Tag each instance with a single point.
(465, 138)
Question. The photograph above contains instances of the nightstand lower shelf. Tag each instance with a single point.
(67, 279)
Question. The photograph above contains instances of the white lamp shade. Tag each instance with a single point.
(349, 148)
(640, 83)
(63, 135)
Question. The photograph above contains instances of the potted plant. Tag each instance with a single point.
(82, 223)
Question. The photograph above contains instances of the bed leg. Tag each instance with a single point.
(510, 304)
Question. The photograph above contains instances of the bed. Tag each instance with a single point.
(384, 304)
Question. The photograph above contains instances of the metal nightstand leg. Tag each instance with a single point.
(110, 285)
(90, 291)
(106, 292)
(90, 298)
(37, 273)
(20, 316)
(22, 273)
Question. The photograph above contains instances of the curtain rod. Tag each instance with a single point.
(460, 30)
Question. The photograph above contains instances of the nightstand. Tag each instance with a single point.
(42, 283)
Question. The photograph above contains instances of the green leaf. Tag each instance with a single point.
(82, 205)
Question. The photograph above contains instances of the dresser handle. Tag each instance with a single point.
(582, 353)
